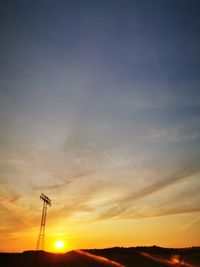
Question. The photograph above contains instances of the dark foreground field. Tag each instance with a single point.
(129, 257)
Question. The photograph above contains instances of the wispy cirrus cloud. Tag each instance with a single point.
(134, 205)
(8, 201)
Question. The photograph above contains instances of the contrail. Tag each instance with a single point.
(107, 155)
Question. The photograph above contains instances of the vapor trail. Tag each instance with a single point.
(107, 155)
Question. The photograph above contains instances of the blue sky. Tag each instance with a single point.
(100, 101)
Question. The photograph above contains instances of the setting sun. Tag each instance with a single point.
(59, 245)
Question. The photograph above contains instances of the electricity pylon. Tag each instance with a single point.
(41, 237)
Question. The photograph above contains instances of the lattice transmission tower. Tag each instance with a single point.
(41, 237)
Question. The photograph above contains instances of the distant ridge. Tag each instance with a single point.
(140, 256)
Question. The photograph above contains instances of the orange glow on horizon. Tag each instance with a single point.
(146, 232)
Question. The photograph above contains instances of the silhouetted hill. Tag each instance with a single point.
(152, 256)
(118, 257)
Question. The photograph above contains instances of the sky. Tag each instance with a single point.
(100, 111)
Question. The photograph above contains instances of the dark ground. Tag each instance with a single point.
(118, 257)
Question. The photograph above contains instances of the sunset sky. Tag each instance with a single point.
(100, 111)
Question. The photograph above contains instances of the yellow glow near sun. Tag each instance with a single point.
(59, 245)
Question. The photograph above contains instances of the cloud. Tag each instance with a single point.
(75, 207)
(123, 207)
(189, 223)
(8, 203)
(159, 95)
(160, 184)
(63, 182)
(186, 130)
